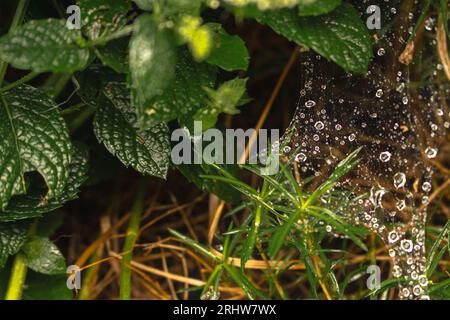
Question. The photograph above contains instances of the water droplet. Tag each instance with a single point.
(301, 157)
(399, 180)
(431, 152)
(426, 186)
(393, 236)
(310, 103)
(385, 156)
(406, 245)
(319, 125)
(401, 205)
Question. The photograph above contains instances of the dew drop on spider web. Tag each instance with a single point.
(400, 128)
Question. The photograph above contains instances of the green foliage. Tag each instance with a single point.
(44, 45)
(26, 114)
(42, 256)
(183, 96)
(136, 74)
(339, 36)
(12, 238)
(152, 58)
(229, 52)
(317, 7)
(115, 125)
(100, 17)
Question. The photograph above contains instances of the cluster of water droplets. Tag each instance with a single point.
(399, 129)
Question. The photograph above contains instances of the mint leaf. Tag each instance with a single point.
(316, 7)
(152, 58)
(44, 287)
(115, 125)
(339, 36)
(12, 238)
(43, 256)
(100, 17)
(34, 138)
(185, 93)
(44, 45)
(115, 55)
(229, 52)
(225, 99)
(34, 203)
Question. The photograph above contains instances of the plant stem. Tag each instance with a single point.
(17, 83)
(125, 31)
(17, 20)
(132, 233)
(17, 279)
(81, 118)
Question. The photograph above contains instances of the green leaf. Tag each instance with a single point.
(115, 125)
(339, 36)
(443, 10)
(316, 7)
(230, 95)
(241, 280)
(194, 245)
(229, 52)
(12, 238)
(144, 4)
(115, 55)
(184, 95)
(221, 189)
(44, 287)
(44, 45)
(250, 241)
(100, 17)
(171, 7)
(35, 203)
(341, 169)
(42, 256)
(278, 239)
(435, 254)
(34, 138)
(152, 58)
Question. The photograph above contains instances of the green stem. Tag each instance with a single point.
(17, 279)
(17, 83)
(56, 83)
(132, 233)
(125, 31)
(72, 109)
(81, 118)
(17, 20)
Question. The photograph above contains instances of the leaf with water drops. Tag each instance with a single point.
(100, 17)
(339, 36)
(316, 7)
(152, 58)
(12, 238)
(34, 138)
(35, 203)
(44, 45)
(43, 256)
(115, 125)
